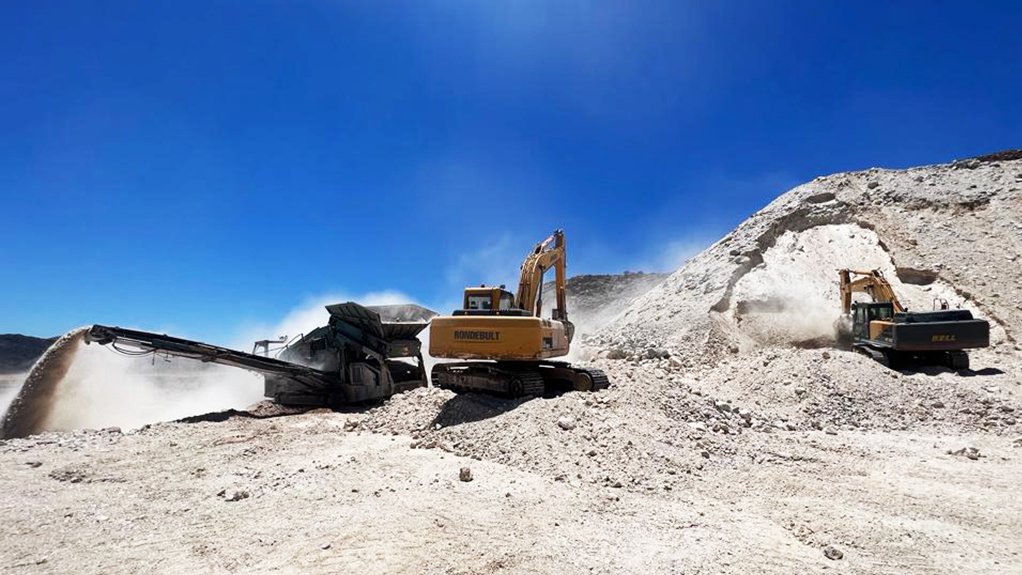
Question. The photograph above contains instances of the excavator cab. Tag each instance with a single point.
(489, 300)
(863, 314)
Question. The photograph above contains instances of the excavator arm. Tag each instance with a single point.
(547, 253)
(870, 282)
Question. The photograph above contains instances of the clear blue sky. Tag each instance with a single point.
(209, 165)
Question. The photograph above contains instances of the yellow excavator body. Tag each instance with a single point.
(503, 339)
(886, 331)
(497, 337)
(877, 327)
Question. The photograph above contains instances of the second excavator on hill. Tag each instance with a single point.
(887, 332)
(508, 342)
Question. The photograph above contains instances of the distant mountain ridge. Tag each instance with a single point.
(18, 352)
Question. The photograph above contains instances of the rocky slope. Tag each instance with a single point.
(952, 231)
(594, 300)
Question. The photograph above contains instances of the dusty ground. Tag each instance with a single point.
(318, 492)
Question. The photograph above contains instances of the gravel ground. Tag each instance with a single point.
(314, 493)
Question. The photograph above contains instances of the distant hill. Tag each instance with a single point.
(18, 352)
(594, 300)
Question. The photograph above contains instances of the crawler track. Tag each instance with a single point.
(517, 379)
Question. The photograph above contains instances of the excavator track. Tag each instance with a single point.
(599, 379)
(515, 379)
(512, 381)
(528, 383)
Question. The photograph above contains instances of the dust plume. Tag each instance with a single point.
(32, 408)
(75, 386)
(792, 297)
(103, 388)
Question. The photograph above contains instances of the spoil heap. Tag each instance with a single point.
(952, 231)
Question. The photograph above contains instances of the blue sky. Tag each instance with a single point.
(206, 167)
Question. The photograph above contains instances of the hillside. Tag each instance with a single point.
(595, 299)
(951, 231)
(19, 352)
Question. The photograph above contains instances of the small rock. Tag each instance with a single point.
(873, 185)
(800, 391)
(697, 425)
(325, 546)
(832, 553)
(970, 164)
(937, 405)
(657, 353)
(830, 431)
(617, 354)
(566, 423)
(234, 495)
(969, 452)
(465, 474)
(826, 355)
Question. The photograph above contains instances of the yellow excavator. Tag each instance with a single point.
(508, 343)
(886, 331)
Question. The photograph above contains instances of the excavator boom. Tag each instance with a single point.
(548, 253)
(508, 343)
(870, 282)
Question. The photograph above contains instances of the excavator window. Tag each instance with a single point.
(506, 300)
(480, 302)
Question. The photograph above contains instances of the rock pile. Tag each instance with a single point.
(952, 230)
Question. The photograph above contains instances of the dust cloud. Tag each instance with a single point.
(75, 386)
(103, 388)
(31, 410)
(792, 298)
